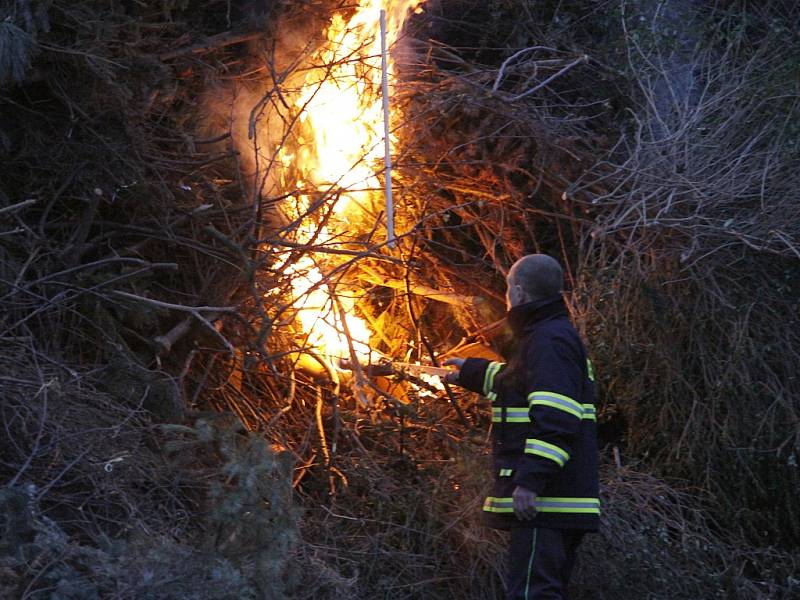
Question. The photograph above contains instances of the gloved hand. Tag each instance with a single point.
(524, 502)
(452, 377)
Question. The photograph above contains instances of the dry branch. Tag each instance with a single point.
(214, 42)
(420, 290)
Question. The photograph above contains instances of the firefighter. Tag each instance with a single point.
(543, 435)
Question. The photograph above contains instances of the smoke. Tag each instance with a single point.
(250, 110)
(258, 108)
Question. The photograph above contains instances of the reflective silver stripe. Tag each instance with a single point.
(558, 401)
(546, 505)
(589, 412)
(546, 450)
(590, 369)
(505, 472)
(568, 505)
(514, 414)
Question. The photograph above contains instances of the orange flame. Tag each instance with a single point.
(340, 144)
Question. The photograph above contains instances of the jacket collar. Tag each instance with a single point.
(520, 317)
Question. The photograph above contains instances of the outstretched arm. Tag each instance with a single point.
(475, 374)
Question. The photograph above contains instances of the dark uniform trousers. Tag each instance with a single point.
(540, 562)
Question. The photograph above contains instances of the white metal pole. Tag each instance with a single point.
(387, 156)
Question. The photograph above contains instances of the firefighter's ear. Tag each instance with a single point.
(515, 295)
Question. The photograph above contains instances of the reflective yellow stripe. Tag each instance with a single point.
(546, 450)
(488, 377)
(494, 374)
(589, 412)
(590, 369)
(514, 414)
(498, 505)
(545, 504)
(520, 419)
(553, 400)
(491, 396)
(505, 472)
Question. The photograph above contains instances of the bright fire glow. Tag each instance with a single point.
(339, 152)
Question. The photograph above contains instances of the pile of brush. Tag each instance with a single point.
(162, 439)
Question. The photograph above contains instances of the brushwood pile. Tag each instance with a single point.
(162, 436)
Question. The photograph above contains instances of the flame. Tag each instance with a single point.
(339, 146)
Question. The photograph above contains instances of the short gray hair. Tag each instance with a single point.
(539, 275)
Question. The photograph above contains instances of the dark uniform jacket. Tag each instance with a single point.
(543, 421)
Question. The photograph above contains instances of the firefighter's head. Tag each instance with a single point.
(533, 278)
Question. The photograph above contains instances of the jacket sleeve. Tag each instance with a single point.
(477, 375)
(553, 385)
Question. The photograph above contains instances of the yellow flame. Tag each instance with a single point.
(340, 146)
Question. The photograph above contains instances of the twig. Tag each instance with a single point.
(428, 347)
(18, 206)
(501, 71)
(533, 90)
(166, 341)
(38, 439)
(419, 289)
(214, 42)
(357, 372)
(169, 305)
(328, 248)
(195, 311)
